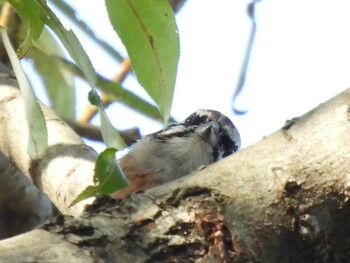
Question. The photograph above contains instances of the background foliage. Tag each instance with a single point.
(147, 29)
(149, 32)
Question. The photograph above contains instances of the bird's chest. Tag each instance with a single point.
(182, 156)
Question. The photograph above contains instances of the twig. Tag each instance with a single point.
(5, 14)
(93, 132)
(244, 68)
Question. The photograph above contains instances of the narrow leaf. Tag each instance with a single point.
(89, 191)
(70, 42)
(108, 177)
(110, 136)
(119, 93)
(149, 33)
(38, 138)
(58, 82)
(108, 174)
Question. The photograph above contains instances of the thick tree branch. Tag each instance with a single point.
(284, 199)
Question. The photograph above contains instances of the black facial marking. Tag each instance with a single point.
(229, 146)
(195, 119)
(229, 140)
(215, 153)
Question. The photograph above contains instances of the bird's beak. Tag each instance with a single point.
(209, 132)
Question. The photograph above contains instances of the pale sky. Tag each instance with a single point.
(301, 58)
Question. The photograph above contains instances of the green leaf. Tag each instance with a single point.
(149, 33)
(70, 42)
(129, 98)
(30, 14)
(89, 191)
(119, 93)
(48, 44)
(110, 136)
(108, 176)
(58, 82)
(38, 138)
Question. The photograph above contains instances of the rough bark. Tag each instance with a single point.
(283, 199)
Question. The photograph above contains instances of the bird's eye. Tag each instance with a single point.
(188, 121)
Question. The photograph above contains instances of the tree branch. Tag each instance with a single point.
(284, 199)
(68, 165)
(92, 132)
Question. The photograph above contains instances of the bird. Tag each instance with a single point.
(203, 138)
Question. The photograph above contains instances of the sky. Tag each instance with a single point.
(300, 58)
